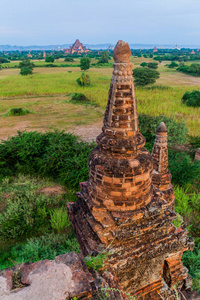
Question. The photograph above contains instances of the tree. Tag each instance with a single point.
(26, 63)
(49, 58)
(85, 63)
(192, 99)
(172, 65)
(144, 76)
(194, 69)
(152, 65)
(143, 64)
(104, 57)
(26, 71)
(3, 60)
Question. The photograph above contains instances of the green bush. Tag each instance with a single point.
(59, 219)
(172, 65)
(26, 71)
(177, 131)
(192, 98)
(193, 69)
(56, 155)
(184, 170)
(69, 59)
(143, 64)
(144, 76)
(38, 248)
(49, 59)
(17, 112)
(4, 60)
(26, 213)
(26, 63)
(79, 98)
(84, 80)
(152, 65)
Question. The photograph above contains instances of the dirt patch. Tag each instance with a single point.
(51, 190)
(88, 132)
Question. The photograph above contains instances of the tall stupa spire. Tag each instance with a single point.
(121, 118)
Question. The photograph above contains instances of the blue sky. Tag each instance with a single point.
(42, 22)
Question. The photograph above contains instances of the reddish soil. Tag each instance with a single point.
(51, 190)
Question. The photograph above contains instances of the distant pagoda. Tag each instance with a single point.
(77, 47)
(155, 49)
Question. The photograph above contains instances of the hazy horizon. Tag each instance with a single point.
(137, 22)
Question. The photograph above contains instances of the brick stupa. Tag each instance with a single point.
(121, 208)
(161, 175)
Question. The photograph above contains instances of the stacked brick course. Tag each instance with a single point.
(123, 206)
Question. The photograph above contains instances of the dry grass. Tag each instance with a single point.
(49, 113)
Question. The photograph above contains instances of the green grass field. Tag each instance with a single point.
(164, 98)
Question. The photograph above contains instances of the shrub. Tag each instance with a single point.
(26, 212)
(184, 170)
(56, 155)
(38, 248)
(172, 65)
(192, 99)
(192, 261)
(84, 80)
(69, 59)
(49, 58)
(26, 71)
(79, 98)
(17, 112)
(4, 60)
(96, 262)
(177, 131)
(152, 65)
(193, 69)
(59, 219)
(143, 64)
(26, 63)
(144, 76)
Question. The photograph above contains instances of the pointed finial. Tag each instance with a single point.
(122, 52)
(161, 128)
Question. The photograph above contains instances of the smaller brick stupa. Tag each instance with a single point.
(126, 206)
(161, 175)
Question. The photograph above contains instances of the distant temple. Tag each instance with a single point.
(192, 52)
(29, 55)
(177, 48)
(76, 47)
(111, 47)
(155, 49)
